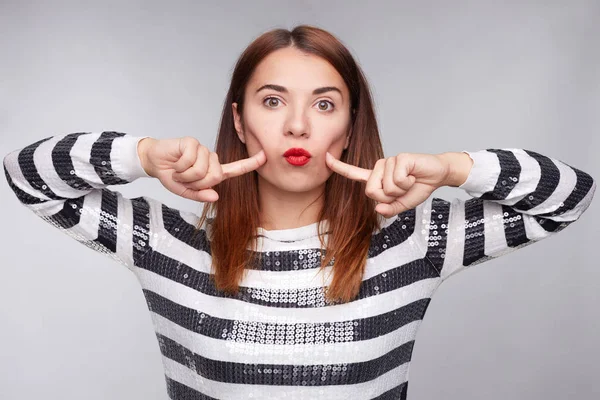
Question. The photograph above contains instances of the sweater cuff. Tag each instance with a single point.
(484, 173)
(126, 161)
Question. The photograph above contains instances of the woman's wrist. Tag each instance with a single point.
(458, 166)
(142, 150)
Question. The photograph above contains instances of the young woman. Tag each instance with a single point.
(313, 263)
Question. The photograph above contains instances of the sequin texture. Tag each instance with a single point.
(278, 337)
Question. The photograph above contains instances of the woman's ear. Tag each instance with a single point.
(237, 121)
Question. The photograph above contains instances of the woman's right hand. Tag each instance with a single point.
(189, 169)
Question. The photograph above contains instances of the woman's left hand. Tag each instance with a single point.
(397, 183)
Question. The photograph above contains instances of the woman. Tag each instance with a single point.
(315, 268)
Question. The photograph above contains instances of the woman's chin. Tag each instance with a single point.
(298, 185)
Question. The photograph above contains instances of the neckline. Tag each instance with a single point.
(292, 234)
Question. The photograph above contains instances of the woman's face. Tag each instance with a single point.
(295, 112)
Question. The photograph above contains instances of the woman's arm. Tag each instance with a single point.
(519, 198)
(63, 180)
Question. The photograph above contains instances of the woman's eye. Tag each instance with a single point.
(325, 102)
(270, 100)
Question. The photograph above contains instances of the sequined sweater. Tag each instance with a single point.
(279, 338)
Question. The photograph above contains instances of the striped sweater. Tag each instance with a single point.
(279, 338)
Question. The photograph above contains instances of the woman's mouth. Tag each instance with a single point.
(297, 156)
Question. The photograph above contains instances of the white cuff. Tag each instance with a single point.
(484, 173)
(125, 158)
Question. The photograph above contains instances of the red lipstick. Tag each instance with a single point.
(297, 156)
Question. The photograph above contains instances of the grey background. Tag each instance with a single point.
(446, 76)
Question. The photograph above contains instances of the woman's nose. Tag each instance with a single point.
(297, 123)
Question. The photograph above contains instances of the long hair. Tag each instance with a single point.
(349, 212)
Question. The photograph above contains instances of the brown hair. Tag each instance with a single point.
(350, 213)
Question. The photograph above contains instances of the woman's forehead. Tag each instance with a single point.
(297, 71)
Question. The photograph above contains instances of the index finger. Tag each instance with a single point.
(347, 170)
(241, 167)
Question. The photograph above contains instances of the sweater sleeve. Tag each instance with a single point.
(63, 179)
(518, 198)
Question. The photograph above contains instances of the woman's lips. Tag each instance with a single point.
(297, 160)
(297, 156)
(296, 151)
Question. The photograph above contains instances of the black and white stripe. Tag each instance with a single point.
(278, 337)
(63, 179)
(518, 198)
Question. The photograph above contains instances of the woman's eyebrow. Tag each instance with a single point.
(283, 89)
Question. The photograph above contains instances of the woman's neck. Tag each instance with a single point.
(287, 210)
